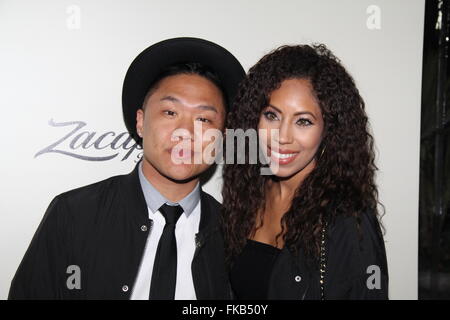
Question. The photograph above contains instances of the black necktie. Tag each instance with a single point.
(164, 275)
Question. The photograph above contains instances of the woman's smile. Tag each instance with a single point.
(282, 156)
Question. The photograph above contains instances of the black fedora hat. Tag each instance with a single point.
(148, 65)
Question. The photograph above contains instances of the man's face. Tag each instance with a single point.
(178, 103)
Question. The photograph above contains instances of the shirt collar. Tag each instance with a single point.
(155, 199)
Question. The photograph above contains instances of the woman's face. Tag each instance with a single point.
(295, 112)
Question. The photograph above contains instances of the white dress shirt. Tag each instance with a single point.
(185, 231)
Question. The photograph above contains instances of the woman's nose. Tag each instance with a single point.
(285, 133)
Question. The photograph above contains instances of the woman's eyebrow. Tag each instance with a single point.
(295, 114)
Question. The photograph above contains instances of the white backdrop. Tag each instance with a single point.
(62, 64)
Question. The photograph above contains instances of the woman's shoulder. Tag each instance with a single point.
(361, 230)
(357, 243)
(356, 258)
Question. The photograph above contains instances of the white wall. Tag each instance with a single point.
(56, 66)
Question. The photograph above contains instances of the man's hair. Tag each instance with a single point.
(193, 68)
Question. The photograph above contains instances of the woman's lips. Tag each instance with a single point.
(284, 156)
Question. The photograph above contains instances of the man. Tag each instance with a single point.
(154, 233)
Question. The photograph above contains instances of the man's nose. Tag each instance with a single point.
(184, 129)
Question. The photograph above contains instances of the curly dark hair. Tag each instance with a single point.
(342, 182)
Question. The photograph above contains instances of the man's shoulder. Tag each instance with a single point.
(211, 200)
(213, 206)
(92, 194)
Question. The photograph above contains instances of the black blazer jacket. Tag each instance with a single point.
(356, 266)
(102, 229)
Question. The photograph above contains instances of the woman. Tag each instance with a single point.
(311, 229)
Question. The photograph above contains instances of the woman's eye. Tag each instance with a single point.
(304, 122)
(270, 115)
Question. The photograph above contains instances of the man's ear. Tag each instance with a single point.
(140, 122)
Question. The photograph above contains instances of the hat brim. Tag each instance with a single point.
(147, 66)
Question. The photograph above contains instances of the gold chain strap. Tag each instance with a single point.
(322, 263)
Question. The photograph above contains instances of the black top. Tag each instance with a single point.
(252, 269)
(356, 266)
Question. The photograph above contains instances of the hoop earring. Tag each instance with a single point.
(323, 150)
